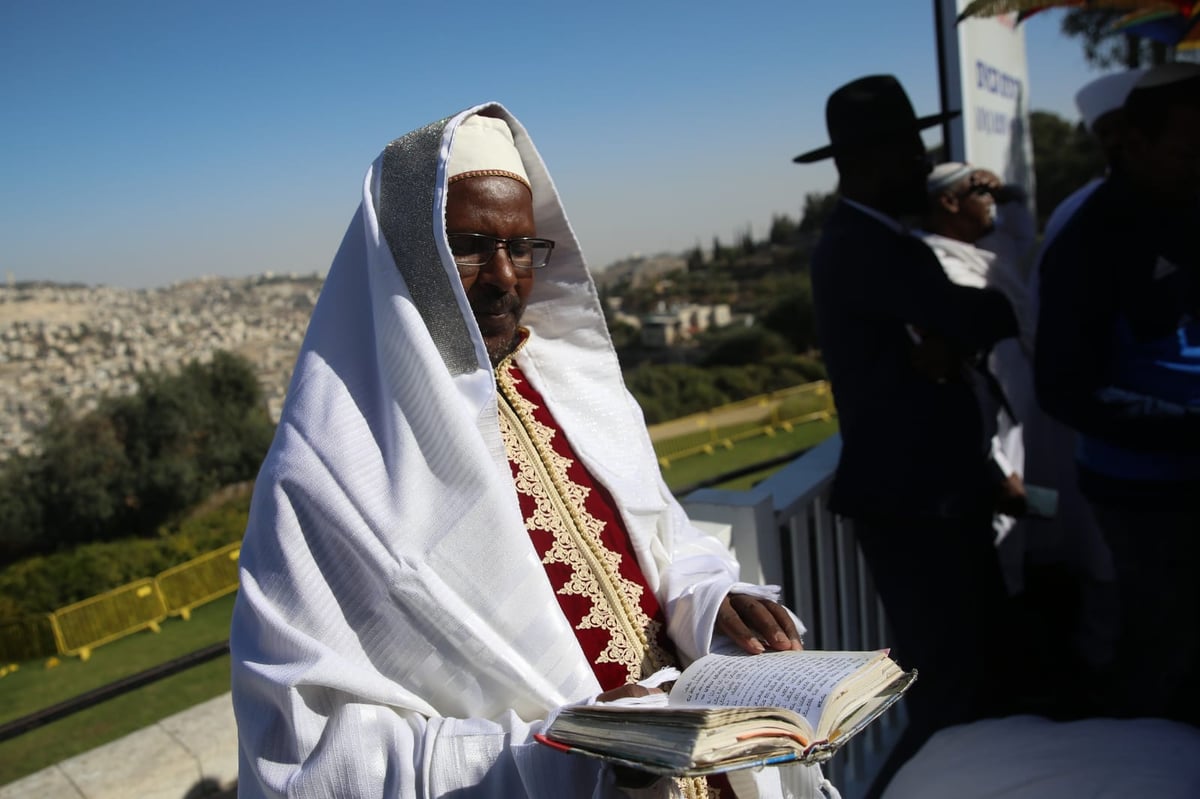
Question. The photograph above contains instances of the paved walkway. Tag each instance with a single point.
(190, 755)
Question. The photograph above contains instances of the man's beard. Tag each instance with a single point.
(511, 308)
(498, 349)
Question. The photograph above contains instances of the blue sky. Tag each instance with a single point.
(144, 142)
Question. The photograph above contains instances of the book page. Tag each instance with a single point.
(799, 681)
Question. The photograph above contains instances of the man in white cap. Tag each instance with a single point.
(1099, 103)
(982, 232)
(1071, 543)
(1118, 360)
(461, 526)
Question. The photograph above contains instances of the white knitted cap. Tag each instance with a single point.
(1165, 74)
(946, 175)
(1105, 94)
(484, 146)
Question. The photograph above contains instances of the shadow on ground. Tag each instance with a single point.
(208, 788)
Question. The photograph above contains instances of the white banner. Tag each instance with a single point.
(984, 74)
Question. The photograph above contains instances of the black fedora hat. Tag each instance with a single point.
(866, 111)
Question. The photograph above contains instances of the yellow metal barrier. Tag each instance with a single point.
(79, 628)
(83, 626)
(201, 580)
(702, 433)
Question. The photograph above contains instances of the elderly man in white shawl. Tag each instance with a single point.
(461, 526)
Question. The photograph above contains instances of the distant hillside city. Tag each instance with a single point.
(75, 344)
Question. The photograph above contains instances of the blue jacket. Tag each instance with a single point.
(1118, 345)
(911, 446)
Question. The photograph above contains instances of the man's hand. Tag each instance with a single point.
(1010, 498)
(936, 359)
(627, 690)
(1001, 192)
(757, 625)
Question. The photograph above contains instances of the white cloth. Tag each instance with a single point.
(395, 634)
(1105, 94)
(1027, 757)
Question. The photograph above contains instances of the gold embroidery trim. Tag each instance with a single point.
(696, 788)
(560, 510)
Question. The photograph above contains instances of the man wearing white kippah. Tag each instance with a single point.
(1118, 360)
(1099, 103)
(461, 526)
(982, 232)
(1072, 542)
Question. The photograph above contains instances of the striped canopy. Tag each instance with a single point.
(1025, 8)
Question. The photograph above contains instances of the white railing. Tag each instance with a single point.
(783, 533)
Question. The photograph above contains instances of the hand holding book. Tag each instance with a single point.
(727, 712)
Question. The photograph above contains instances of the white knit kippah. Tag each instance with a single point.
(1165, 74)
(946, 175)
(1105, 94)
(484, 146)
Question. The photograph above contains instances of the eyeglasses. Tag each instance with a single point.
(473, 251)
(980, 191)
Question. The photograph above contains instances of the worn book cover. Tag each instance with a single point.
(737, 711)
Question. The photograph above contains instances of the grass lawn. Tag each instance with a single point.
(691, 470)
(33, 687)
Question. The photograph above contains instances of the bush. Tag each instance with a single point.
(668, 392)
(137, 462)
(746, 346)
(44, 583)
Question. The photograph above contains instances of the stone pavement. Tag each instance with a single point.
(190, 755)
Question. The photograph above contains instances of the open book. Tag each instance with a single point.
(727, 712)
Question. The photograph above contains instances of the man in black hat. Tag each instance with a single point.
(915, 475)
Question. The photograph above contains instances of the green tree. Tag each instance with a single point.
(1104, 48)
(21, 524)
(84, 479)
(718, 250)
(794, 318)
(1065, 157)
(135, 462)
(746, 241)
(746, 345)
(783, 229)
(818, 206)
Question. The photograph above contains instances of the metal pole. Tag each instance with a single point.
(939, 28)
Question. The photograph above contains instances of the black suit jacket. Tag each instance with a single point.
(911, 446)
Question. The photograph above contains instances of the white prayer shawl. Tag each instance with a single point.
(395, 633)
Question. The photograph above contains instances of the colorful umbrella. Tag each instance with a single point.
(1026, 8)
(1175, 27)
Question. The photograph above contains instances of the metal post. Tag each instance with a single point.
(939, 34)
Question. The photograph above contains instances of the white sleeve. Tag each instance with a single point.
(313, 723)
(1001, 460)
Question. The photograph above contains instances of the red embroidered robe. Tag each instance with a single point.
(586, 551)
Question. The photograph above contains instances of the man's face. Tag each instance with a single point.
(902, 166)
(500, 207)
(976, 209)
(1170, 163)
